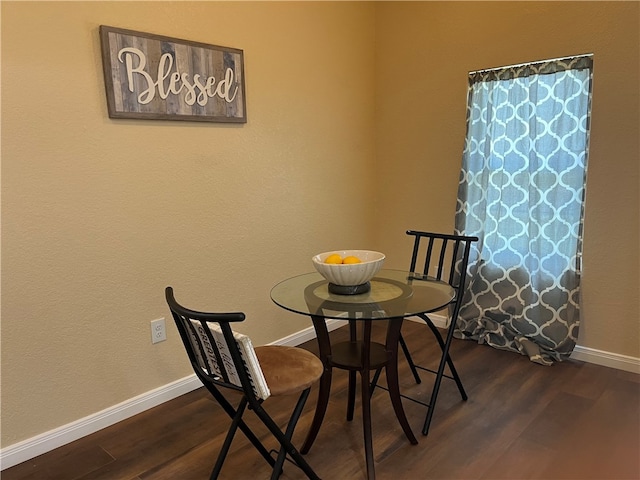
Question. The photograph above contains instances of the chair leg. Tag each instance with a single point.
(412, 366)
(407, 355)
(237, 419)
(284, 441)
(295, 416)
(436, 386)
(452, 368)
(374, 380)
(228, 408)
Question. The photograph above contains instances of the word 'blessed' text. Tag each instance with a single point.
(198, 89)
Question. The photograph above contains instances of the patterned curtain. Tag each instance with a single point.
(522, 191)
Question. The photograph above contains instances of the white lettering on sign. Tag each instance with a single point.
(197, 89)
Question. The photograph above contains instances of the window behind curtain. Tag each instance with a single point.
(522, 190)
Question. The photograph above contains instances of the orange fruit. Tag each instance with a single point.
(351, 260)
(333, 258)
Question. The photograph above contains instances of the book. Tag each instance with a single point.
(247, 353)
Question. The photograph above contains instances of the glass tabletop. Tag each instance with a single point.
(393, 294)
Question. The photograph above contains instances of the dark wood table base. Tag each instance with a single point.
(361, 356)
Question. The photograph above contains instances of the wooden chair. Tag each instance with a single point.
(445, 258)
(225, 360)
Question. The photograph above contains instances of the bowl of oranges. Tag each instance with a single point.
(348, 268)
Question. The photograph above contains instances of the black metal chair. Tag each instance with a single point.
(446, 258)
(226, 360)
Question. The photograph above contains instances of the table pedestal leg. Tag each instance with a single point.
(366, 425)
(351, 398)
(392, 355)
(324, 391)
(364, 367)
(391, 370)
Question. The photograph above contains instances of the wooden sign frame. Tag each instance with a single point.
(154, 77)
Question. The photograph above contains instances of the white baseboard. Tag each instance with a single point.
(307, 334)
(440, 321)
(607, 359)
(585, 354)
(45, 442)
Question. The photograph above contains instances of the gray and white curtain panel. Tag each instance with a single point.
(522, 192)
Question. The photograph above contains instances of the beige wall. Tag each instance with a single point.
(100, 215)
(424, 51)
(356, 121)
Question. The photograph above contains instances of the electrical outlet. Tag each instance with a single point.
(158, 331)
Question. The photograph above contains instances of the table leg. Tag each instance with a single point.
(324, 390)
(391, 370)
(366, 400)
(366, 425)
(351, 398)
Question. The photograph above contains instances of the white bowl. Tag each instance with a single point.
(350, 274)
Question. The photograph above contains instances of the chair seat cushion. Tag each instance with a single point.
(288, 370)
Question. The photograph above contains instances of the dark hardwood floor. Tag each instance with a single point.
(522, 421)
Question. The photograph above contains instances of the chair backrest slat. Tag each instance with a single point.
(207, 359)
(451, 252)
(414, 255)
(217, 353)
(441, 259)
(427, 260)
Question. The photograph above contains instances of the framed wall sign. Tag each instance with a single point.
(161, 78)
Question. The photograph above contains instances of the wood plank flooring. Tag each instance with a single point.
(522, 421)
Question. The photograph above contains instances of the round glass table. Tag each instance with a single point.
(394, 295)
